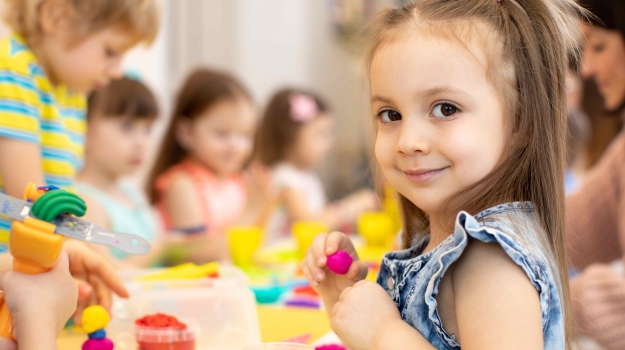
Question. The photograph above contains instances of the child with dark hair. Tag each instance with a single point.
(119, 119)
(294, 137)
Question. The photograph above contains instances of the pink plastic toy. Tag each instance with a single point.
(339, 262)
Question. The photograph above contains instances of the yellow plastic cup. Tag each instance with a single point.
(244, 241)
(305, 232)
(376, 228)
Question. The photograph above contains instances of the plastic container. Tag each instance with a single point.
(280, 346)
(149, 338)
(224, 308)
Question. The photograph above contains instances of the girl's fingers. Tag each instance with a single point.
(358, 271)
(316, 272)
(307, 274)
(338, 241)
(319, 250)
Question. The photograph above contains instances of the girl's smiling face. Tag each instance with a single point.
(441, 125)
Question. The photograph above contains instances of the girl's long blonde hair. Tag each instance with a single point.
(527, 44)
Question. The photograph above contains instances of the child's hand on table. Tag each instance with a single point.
(362, 313)
(328, 284)
(40, 304)
(94, 275)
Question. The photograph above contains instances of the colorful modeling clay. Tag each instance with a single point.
(164, 332)
(339, 262)
(98, 344)
(160, 321)
(94, 319)
(331, 347)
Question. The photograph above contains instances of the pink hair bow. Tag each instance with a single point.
(302, 108)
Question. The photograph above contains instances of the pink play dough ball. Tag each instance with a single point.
(98, 344)
(339, 262)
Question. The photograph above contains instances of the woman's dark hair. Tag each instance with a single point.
(202, 90)
(277, 131)
(123, 98)
(609, 14)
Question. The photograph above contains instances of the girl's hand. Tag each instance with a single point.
(328, 284)
(361, 315)
(40, 304)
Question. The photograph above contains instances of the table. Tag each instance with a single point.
(276, 323)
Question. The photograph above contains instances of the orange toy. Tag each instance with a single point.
(41, 222)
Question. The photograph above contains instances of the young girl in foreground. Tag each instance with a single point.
(470, 103)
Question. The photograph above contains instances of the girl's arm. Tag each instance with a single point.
(182, 204)
(496, 305)
(20, 164)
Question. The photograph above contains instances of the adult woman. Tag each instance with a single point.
(595, 229)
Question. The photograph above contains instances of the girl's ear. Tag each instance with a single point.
(52, 14)
(183, 132)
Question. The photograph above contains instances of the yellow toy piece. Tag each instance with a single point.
(94, 317)
(182, 272)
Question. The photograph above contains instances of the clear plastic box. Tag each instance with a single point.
(224, 308)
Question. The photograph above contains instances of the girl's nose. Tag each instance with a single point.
(587, 68)
(411, 140)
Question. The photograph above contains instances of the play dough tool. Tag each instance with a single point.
(339, 262)
(40, 224)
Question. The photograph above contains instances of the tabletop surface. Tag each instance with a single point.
(277, 323)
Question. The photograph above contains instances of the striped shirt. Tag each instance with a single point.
(34, 110)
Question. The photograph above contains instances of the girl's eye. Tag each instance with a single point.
(110, 53)
(444, 110)
(389, 115)
(597, 48)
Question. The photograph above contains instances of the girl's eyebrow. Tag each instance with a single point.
(378, 98)
(427, 93)
(443, 89)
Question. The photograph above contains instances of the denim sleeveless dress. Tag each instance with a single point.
(412, 279)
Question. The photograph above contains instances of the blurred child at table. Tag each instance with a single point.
(119, 119)
(58, 51)
(294, 137)
(198, 182)
(40, 304)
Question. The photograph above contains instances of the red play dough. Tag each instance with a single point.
(160, 321)
(150, 339)
(339, 262)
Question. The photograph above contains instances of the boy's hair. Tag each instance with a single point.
(278, 131)
(139, 17)
(527, 44)
(123, 97)
(202, 90)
